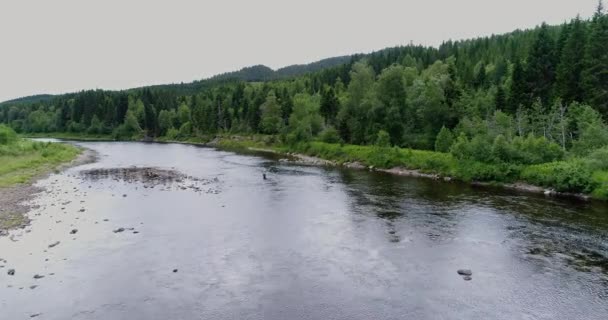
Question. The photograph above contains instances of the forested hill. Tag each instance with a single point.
(527, 97)
(29, 99)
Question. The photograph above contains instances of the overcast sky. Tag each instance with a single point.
(67, 45)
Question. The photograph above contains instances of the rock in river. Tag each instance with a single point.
(465, 272)
(119, 230)
(37, 276)
(74, 231)
(11, 272)
(54, 244)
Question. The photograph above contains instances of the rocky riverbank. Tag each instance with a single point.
(14, 199)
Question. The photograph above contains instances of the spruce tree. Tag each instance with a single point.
(540, 69)
(518, 95)
(570, 68)
(595, 74)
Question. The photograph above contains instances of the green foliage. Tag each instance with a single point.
(7, 135)
(172, 133)
(166, 119)
(444, 140)
(129, 129)
(305, 121)
(23, 159)
(96, 126)
(571, 176)
(383, 139)
(185, 130)
(330, 135)
(592, 136)
(271, 121)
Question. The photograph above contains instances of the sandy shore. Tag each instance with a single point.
(14, 200)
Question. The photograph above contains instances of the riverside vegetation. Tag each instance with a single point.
(527, 106)
(21, 160)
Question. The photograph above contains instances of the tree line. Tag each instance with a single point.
(528, 96)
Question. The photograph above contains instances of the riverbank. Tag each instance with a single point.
(21, 164)
(569, 178)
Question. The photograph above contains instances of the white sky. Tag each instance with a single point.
(57, 46)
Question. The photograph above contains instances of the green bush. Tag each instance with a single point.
(7, 135)
(600, 179)
(598, 159)
(172, 133)
(330, 135)
(383, 139)
(444, 140)
(564, 176)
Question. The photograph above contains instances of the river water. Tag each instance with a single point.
(306, 243)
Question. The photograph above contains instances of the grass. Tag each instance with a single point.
(22, 160)
(71, 136)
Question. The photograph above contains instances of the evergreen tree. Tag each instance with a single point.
(595, 75)
(329, 105)
(500, 99)
(518, 96)
(540, 68)
(570, 68)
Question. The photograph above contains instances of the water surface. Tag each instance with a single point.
(307, 243)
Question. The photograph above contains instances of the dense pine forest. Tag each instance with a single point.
(507, 102)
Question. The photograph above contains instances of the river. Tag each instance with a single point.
(306, 243)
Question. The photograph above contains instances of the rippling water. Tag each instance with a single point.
(307, 243)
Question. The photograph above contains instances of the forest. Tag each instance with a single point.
(528, 105)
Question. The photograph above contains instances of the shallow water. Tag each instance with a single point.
(307, 243)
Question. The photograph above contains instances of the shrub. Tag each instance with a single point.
(172, 133)
(7, 135)
(570, 176)
(383, 139)
(330, 135)
(444, 140)
(598, 159)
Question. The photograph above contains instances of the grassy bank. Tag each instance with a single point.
(21, 159)
(573, 175)
(71, 136)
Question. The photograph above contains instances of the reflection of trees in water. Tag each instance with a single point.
(425, 205)
(574, 231)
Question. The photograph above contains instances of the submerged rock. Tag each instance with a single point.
(465, 272)
(54, 244)
(467, 278)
